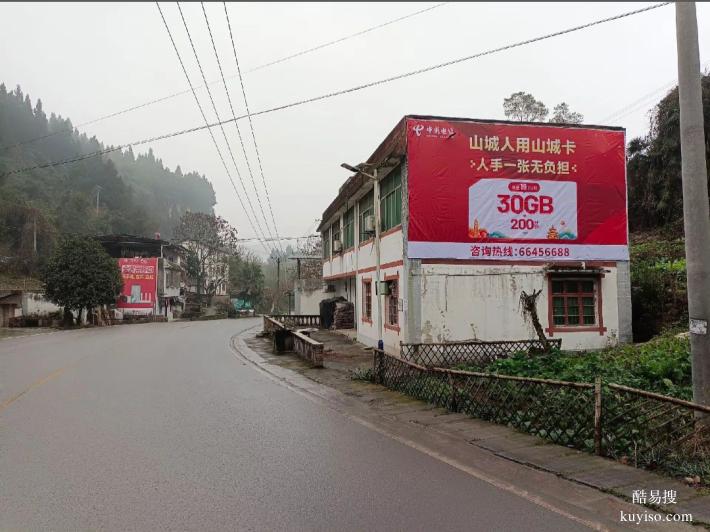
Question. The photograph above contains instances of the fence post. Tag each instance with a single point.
(598, 416)
(453, 403)
(379, 366)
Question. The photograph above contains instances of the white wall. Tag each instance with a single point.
(460, 302)
(367, 331)
(35, 303)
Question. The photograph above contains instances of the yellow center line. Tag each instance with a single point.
(37, 384)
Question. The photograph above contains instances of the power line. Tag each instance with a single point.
(282, 238)
(187, 91)
(332, 94)
(221, 127)
(639, 103)
(204, 117)
(636, 104)
(239, 133)
(251, 124)
(347, 37)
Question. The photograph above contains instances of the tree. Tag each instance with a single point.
(562, 114)
(246, 278)
(210, 241)
(654, 167)
(81, 275)
(139, 195)
(523, 107)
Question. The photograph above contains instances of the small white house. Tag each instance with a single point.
(473, 214)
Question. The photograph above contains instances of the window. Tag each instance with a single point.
(349, 228)
(335, 229)
(367, 300)
(326, 244)
(392, 303)
(367, 208)
(574, 302)
(391, 200)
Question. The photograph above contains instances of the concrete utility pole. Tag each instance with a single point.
(696, 212)
(98, 193)
(376, 198)
(376, 201)
(278, 282)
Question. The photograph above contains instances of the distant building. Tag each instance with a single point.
(153, 272)
(473, 214)
(23, 298)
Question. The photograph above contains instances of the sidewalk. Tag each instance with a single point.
(343, 356)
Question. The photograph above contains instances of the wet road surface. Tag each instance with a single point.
(163, 427)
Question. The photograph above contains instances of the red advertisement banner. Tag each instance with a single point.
(509, 191)
(140, 283)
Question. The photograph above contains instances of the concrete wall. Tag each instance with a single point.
(35, 303)
(465, 301)
(307, 295)
(346, 272)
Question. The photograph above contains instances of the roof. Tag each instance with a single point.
(395, 145)
(131, 240)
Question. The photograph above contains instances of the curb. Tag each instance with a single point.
(413, 437)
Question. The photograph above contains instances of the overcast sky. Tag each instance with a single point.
(86, 60)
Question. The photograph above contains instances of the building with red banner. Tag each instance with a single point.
(473, 214)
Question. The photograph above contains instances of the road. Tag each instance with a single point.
(163, 427)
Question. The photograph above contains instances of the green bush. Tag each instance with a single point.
(661, 365)
(658, 286)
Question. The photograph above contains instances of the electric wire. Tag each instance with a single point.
(347, 37)
(336, 93)
(221, 127)
(251, 124)
(209, 129)
(187, 91)
(236, 124)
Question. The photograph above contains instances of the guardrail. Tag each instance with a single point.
(638, 427)
(286, 339)
(477, 353)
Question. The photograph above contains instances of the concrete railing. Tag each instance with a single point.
(286, 339)
(308, 349)
(271, 324)
(298, 320)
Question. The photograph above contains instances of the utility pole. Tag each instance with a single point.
(98, 192)
(34, 233)
(696, 213)
(376, 200)
(278, 281)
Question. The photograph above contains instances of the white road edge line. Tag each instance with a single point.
(405, 441)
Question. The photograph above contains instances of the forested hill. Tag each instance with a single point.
(137, 194)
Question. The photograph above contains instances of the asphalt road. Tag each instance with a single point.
(163, 427)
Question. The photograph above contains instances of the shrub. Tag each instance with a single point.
(661, 365)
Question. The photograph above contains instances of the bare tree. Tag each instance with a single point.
(210, 241)
(523, 107)
(528, 302)
(562, 114)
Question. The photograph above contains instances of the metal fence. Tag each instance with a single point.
(642, 428)
(474, 353)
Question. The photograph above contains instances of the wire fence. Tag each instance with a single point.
(474, 353)
(637, 427)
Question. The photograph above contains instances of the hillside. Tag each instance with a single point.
(137, 194)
